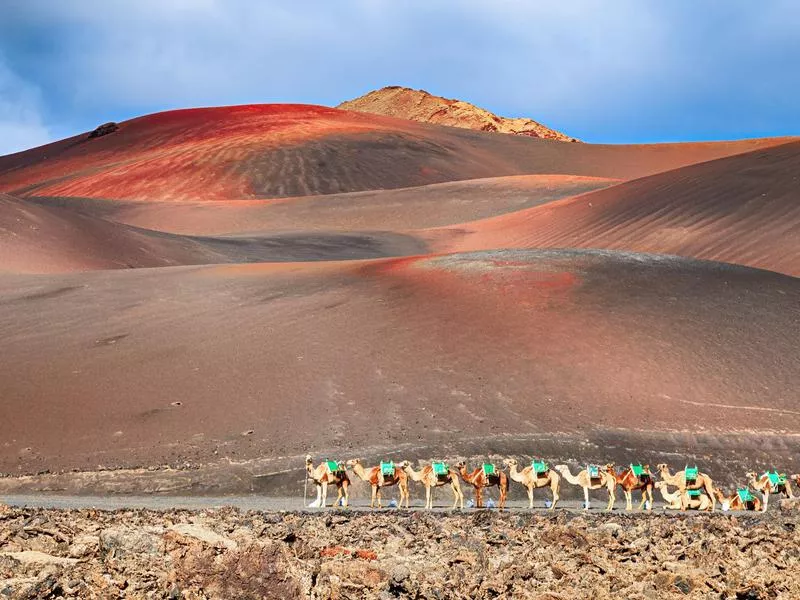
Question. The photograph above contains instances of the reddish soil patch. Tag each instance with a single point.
(446, 350)
(267, 151)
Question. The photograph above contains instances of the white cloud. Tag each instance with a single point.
(597, 69)
(21, 123)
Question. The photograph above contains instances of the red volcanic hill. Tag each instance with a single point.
(419, 105)
(271, 151)
(743, 209)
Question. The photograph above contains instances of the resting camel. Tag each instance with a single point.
(378, 480)
(678, 500)
(430, 480)
(604, 480)
(629, 482)
(703, 481)
(478, 479)
(530, 480)
(735, 502)
(765, 485)
(322, 476)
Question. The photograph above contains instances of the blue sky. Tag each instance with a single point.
(601, 70)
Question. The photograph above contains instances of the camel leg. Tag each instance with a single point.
(338, 495)
(346, 488)
(611, 498)
(789, 492)
(456, 493)
(404, 493)
(324, 502)
(318, 502)
(628, 499)
(530, 497)
(373, 496)
(766, 501)
(586, 498)
(478, 497)
(709, 487)
(554, 489)
(428, 503)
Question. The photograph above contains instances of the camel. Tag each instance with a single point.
(480, 479)
(770, 483)
(431, 480)
(741, 500)
(377, 479)
(322, 475)
(703, 481)
(630, 481)
(603, 480)
(681, 500)
(531, 481)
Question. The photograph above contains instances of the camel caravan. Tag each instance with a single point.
(689, 489)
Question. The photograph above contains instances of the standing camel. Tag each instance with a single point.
(480, 478)
(770, 483)
(325, 473)
(695, 499)
(378, 480)
(431, 480)
(741, 500)
(583, 479)
(702, 481)
(631, 480)
(532, 480)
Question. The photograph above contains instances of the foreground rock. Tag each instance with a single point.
(231, 554)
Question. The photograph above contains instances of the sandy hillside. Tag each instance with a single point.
(419, 105)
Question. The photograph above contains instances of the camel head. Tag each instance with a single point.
(751, 475)
(561, 468)
(405, 464)
(661, 467)
(353, 462)
(510, 462)
(610, 468)
(461, 464)
(309, 460)
(660, 484)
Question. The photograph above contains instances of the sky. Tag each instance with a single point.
(611, 71)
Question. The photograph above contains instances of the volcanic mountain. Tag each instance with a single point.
(419, 105)
(413, 289)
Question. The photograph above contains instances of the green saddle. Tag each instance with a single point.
(334, 467)
(745, 495)
(594, 471)
(488, 469)
(694, 493)
(539, 467)
(775, 478)
(387, 469)
(638, 471)
(690, 473)
(440, 469)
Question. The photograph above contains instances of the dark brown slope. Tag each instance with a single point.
(466, 351)
(743, 209)
(52, 239)
(270, 151)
